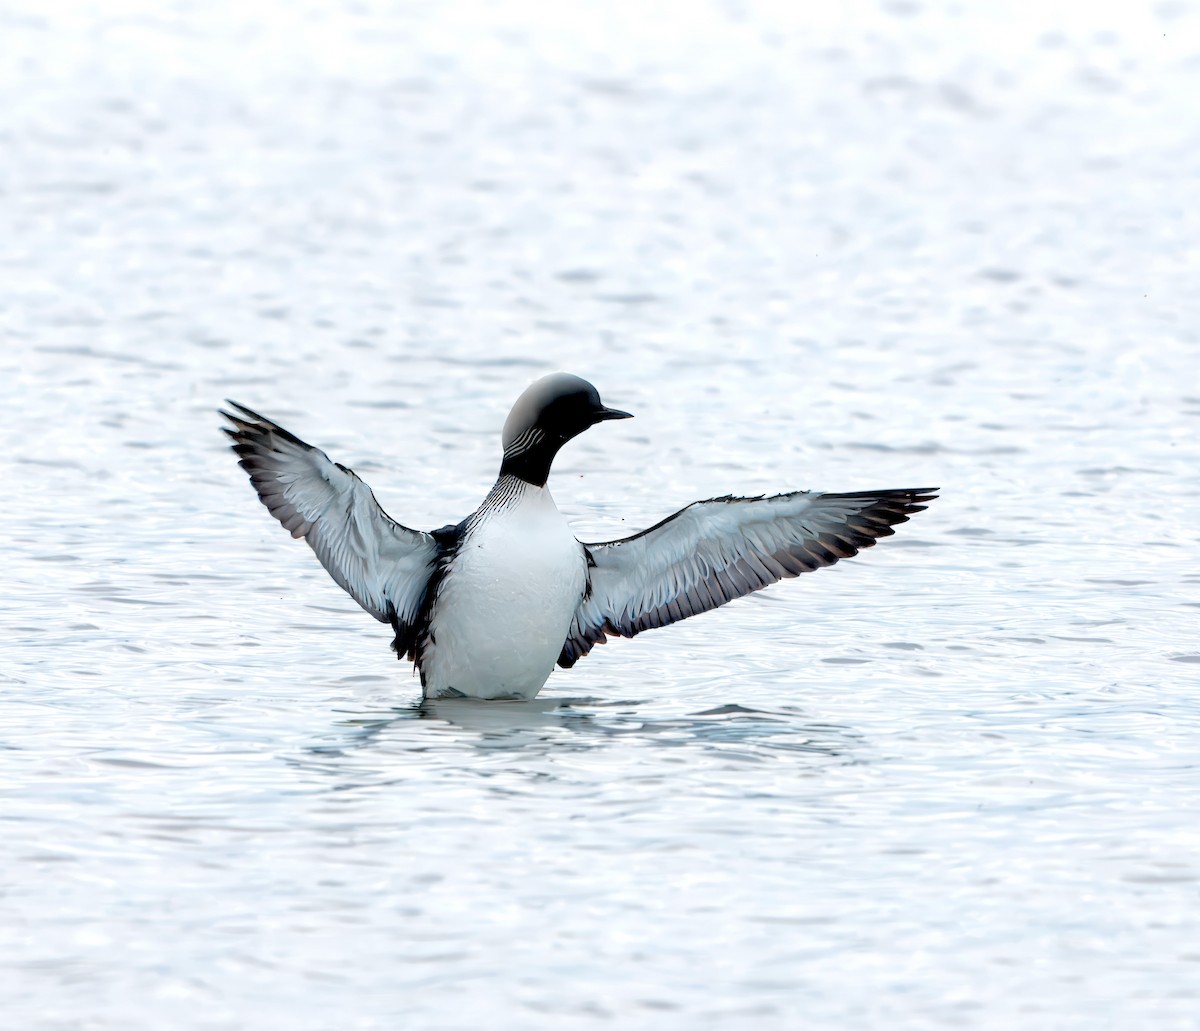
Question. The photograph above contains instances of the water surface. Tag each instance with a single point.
(950, 783)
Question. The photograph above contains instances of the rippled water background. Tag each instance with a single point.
(951, 783)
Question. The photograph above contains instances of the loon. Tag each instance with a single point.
(485, 609)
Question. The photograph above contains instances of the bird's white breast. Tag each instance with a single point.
(505, 605)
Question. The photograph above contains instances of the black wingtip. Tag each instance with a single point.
(243, 413)
(249, 424)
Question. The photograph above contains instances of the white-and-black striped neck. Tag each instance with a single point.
(531, 463)
(508, 489)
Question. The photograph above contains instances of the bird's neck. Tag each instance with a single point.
(533, 464)
(513, 493)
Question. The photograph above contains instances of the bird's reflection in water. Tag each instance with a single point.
(574, 724)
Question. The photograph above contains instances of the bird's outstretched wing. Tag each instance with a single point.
(383, 566)
(714, 551)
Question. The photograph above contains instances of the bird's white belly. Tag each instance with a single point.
(505, 606)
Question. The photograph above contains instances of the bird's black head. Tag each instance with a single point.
(548, 414)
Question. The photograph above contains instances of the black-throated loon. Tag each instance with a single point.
(487, 607)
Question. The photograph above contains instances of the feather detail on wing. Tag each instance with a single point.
(714, 551)
(383, 566)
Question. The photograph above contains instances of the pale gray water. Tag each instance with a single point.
(951, 783)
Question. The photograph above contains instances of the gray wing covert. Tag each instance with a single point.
(714, 551)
